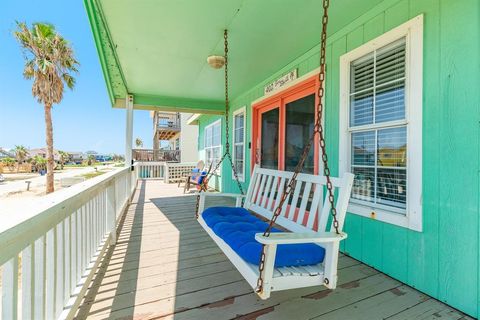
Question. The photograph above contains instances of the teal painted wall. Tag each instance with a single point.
(443, 260)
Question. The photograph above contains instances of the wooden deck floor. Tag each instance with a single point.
(164, 266)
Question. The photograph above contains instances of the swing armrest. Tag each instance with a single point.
(238, 202)
(292, 238)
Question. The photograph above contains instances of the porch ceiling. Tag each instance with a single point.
(157, 49)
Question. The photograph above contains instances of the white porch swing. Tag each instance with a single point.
(304, 251)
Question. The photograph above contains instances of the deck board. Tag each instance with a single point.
(164, 266)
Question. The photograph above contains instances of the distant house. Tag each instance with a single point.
(91, 152)
(77, 157)
(42, 152)
(6, 154)
(103, 157)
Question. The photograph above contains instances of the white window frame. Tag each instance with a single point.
(242, 110)
(412, 30)
(207, 163)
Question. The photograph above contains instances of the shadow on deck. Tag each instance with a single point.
(164, 266)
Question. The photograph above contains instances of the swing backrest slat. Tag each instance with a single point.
(307, 209)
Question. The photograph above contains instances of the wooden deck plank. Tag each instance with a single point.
(309, 306)
(246, 305)
(177, 267)
(164, 266)
(379, 306)
(429, 310)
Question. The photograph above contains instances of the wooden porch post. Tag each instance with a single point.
(129, 137)
(156, 142)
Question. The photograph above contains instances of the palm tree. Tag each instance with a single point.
(64, 157)
(9, 162)
(91, 159)
(49, 61)
(39, 162)
(139, 143)
(20, 154)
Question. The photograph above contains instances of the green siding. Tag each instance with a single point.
(443, 260)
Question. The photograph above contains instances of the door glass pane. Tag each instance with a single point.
(269, 143)
(300, 120)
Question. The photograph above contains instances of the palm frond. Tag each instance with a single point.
(49, 61)
(69, 80)
(29, 70)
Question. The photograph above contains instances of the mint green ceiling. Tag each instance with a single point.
(157, 49)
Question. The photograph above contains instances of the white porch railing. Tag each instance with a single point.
(151, 170)
(60, 247)
(168, 171)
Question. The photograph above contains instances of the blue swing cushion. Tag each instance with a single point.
(237, 227)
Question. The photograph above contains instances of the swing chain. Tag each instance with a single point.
(227, 102)
(204, 184)
(227, 111)
(318, 128)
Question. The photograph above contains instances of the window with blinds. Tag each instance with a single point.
(239, 143)
(378, 127)
(212, 143)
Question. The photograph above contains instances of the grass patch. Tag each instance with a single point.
(91, 175)
(75, 165)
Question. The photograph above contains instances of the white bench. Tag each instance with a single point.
(306, 226)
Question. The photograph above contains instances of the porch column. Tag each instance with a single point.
(128, 141)
(156, 143)
(129, 130)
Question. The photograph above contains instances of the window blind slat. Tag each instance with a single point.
(390, 63)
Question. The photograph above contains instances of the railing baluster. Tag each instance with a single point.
(99, 220)
(84, 244)
(102, 215)
(93, 226)
(60, 273)
(111, 212)
(67, 260)
(10, 289)
(90, 231)
(73, 251)
(28, 286)
(105, 227)
(87, 235)
(50, 284)
(40, 277)
(80, 239)
(96, 212)
(95, 223)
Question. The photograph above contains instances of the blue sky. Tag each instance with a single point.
(84, 120)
